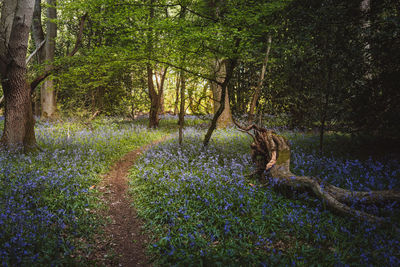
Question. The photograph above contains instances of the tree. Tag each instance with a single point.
(317, 65)
(47, 92)
(229, 65)
(257, 91)
(377, 88)
(16, 20)
(225, 118)
(46, 55)
(39, 39)
(181, 120)
(15, 23)
(155, 94)
(221, 75)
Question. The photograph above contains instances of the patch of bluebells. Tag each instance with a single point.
(351, 174)
(202, 209)
(47, 197)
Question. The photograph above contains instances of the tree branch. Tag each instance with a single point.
(188, 71)
(36, 51)
(79, 37)
(47, 73)
(201, 15)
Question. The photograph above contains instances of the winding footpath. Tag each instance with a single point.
(123, 236)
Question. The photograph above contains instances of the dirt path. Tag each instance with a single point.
(123, 236)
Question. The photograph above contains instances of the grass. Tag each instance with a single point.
(201, 210)
(48, 198)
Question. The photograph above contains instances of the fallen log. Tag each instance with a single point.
(271, 154)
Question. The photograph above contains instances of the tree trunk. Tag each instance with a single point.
(48, 93)
(48, 100)
(257, 91)
(38, 37)
(205, 96)
(154, 99)
(191, 100)
(176, 104)
(271, 153)
(162, 106)
(16, 19)
(365, 8)
(324, 107)
(155, 95)
(182, 107)
(321, 134)
(19, 121)
(8, 12)
(160, 81)
(225, 119)
(230, 66)
(98, 100)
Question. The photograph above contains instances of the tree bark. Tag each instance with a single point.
(154, 99)
(16, 20)
(325, 106)
(162, 106)
(182, 106)
(225, 119)
(48, 72)
(365, 8)
(191, 101)
(6, 23)
(155, 95)
(176, 104)
(271, 153)
(230, 66)
(38, 37)
(37, 30)
(19, 121)
(48, 93)
(257, 91)
(160, 81)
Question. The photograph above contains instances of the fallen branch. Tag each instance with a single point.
(271, 153)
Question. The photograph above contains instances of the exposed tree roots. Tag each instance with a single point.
(271, 153)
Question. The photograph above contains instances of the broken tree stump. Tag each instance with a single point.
(271, 154)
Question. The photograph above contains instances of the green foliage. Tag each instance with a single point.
(93, 86)
(330, 63)
(331, 66)
(121, 38)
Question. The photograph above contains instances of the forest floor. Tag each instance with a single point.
(123, 242)
(71, 203)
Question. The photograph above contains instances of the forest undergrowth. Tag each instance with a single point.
(49, 199)
(198, 204)
(203, 210)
